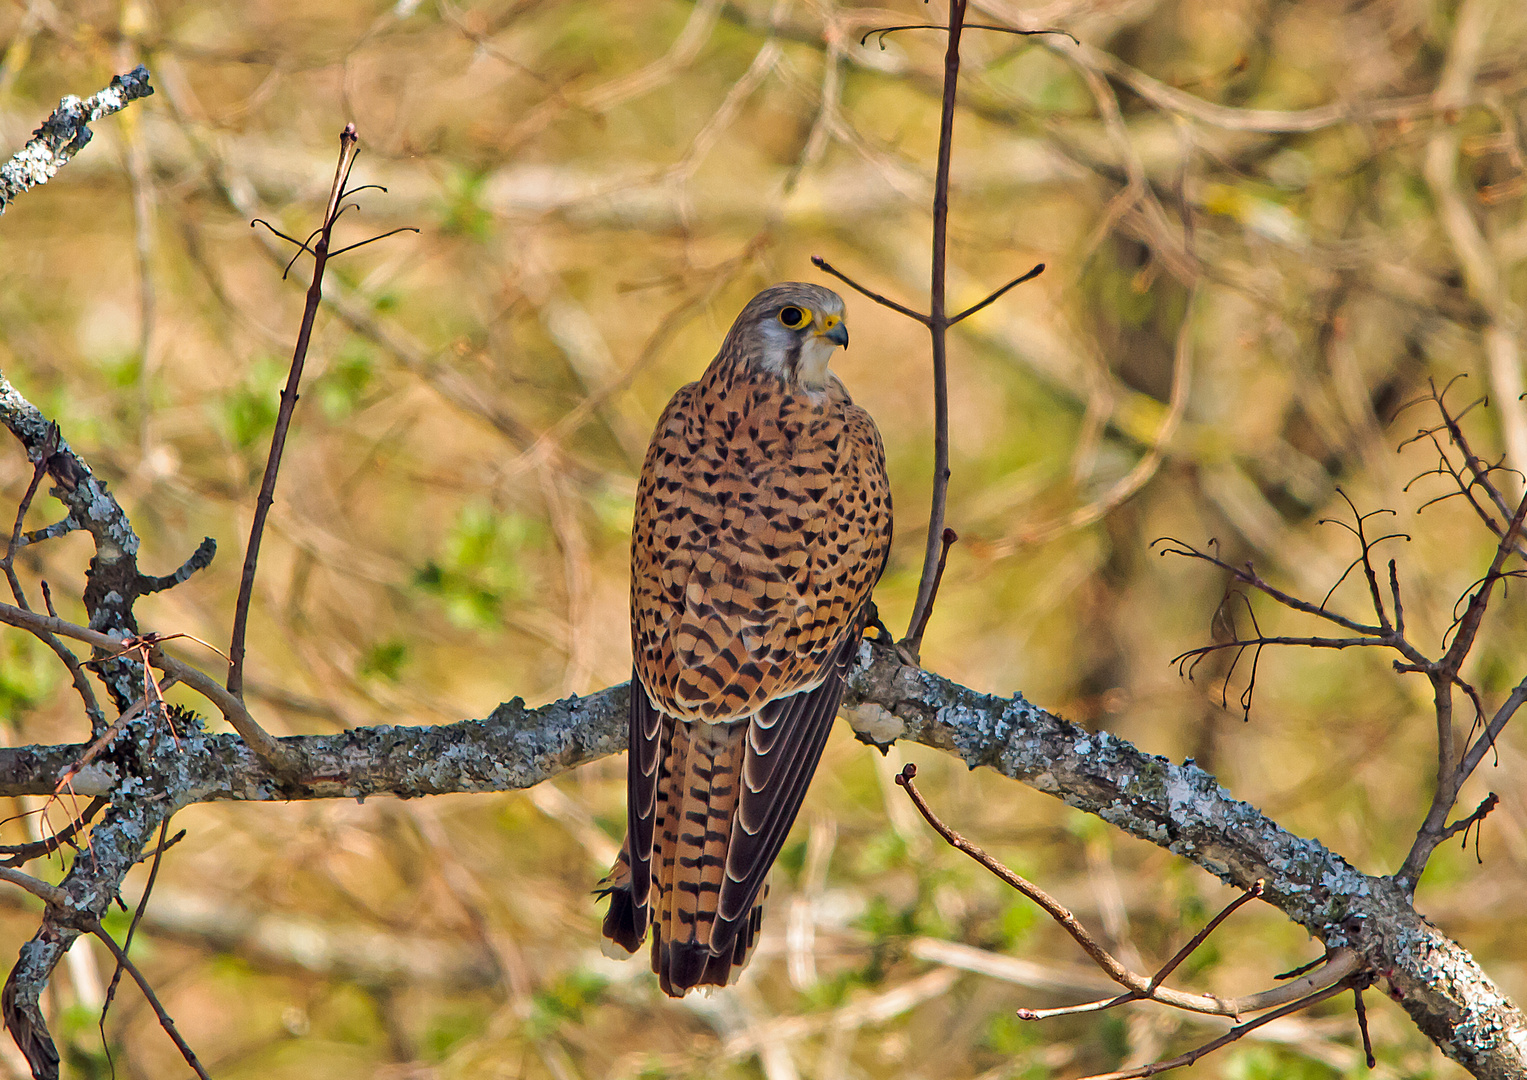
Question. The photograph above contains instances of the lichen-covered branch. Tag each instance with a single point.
(66, 132)
(1179, 807)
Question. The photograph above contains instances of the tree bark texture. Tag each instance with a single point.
(1178, 807)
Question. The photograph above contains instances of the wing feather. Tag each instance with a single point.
(774, 785)
(646, 727)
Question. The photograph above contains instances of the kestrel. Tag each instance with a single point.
(763, 520)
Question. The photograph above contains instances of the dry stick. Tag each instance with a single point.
(347, 144)
(38, 471)
(1486, 740)
(264, 745)
(1166, 969)
(1230, 1036)
(1362, 1026)
(938, 331)
(937, 320)
(76, 673)
(949, 537)
(51, 895)
(1463, 825)
(1100, 956)
(1443, 674)
(153, 1000)
(127, 942)
(58, 898)
(17, 854)
(1340, 964)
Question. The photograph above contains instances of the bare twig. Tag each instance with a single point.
(200, 559)
(1498, 722)
(1362, 1026)
(1237, 1032)
(884, 301)
(234, 711)
(1038, 269)
(127, 942)
(1340, 963)
(51, 895)
(1463, 825)
(148, 992)
(347, 146)
(949, 538)
(938, 330)
(937, 320)
(42, 454)
(19, 854)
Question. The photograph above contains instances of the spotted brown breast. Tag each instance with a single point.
(763, 521)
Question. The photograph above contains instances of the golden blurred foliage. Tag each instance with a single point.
(1267, 225)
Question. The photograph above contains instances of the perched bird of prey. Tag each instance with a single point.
(763, 520)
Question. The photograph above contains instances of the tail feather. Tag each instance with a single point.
(722, 798)
(691, 853)
(625, 924)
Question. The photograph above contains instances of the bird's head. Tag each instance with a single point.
(790, 331)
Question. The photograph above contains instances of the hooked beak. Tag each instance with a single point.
(837, 333)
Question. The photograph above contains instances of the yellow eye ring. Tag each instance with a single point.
(794, 317)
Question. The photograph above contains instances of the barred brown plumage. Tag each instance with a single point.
(763, 522)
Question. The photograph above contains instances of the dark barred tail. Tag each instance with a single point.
(715, 802)
(683, 965)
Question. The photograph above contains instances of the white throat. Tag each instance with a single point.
(815, 353)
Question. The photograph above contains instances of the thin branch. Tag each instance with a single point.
(1473, 616)
(39, 470)
(1463, 825)
(50, 532)
(1237, 1032)
(148, 992)
(938, 331)
(1362, 1026)
(374, 239)
(1137, 986)
(1248, 575)
(885, 301)
(1038, 269)
(267, 496)
(265, 746)
(949, 538)
(1166, 969)
(1486, 740)
(132, 928)
(19, 854)
(51, 895)
(200, 559)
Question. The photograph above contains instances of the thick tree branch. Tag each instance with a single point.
(1178, 807)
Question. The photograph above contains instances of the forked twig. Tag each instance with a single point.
(347, 145)
(1235, 1033)
(1339, 964)
(937, 319)
(19, 854)
(322, 253)
(265, 746)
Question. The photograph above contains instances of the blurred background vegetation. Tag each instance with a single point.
(1268, 225)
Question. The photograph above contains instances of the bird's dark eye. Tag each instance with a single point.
(793, 317)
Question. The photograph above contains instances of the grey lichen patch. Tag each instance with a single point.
(66, 133)
(874, 723)
(1182, 808)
